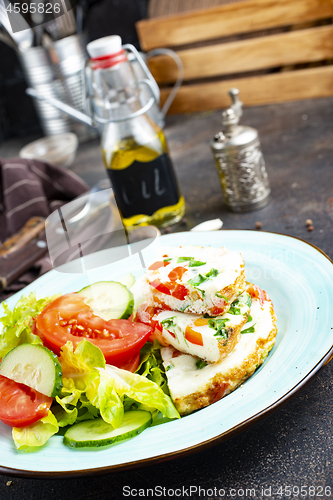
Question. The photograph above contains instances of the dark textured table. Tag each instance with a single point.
(293, 446)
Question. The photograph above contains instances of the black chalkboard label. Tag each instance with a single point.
(144, 187)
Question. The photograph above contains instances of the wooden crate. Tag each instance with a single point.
(295, 63)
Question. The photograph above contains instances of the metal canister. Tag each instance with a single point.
(239, 161)
(57, 72)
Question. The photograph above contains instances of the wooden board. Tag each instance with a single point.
(275, 87)
(315, 44)
(158, 8)
(235, 18)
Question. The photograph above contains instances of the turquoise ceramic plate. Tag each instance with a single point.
(299, 279)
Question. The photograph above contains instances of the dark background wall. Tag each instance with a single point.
(105, 17)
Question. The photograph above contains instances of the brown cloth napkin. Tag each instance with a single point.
(31, 188)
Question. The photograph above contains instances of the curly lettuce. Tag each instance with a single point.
(15, 325)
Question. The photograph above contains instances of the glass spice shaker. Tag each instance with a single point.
(239, 161)
(133, 147)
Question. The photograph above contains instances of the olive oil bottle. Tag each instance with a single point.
(134, 148)
(144, 181)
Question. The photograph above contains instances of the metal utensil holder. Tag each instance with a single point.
(56, 72)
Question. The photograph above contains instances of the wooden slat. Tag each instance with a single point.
(266, 89)
(240, 17)
(157, 8)
(309, 45)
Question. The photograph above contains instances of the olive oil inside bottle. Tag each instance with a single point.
(144, 182)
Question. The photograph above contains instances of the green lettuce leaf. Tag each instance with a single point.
(36, 434)
(102, 394)
(65, 411)
(15, 325)
(73, 408)
(151, 365)
(139, 388)
(86, 411)
(78, 367)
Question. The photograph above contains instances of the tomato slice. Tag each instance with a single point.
(219, 390)
(132, 364)
(170, 288)
(158, 264)
(178, 291)
(257, 293)
(161, 287)
(193, 336)
(69, 318)
(20, 405)
(177, 273)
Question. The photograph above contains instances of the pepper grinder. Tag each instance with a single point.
(239, 161)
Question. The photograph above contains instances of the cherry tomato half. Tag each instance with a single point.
(20, 405)
(69, 318)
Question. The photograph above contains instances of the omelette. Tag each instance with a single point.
(194, 384)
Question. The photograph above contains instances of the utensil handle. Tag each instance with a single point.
(27, 233)
(13, 265)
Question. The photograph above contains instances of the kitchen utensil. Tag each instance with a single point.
(14, 264)
(65, 23)
(55, 74)
(22, 38)
(6, 38)
(28, 232)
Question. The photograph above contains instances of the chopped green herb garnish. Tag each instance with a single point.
(219, 326)
(182, 309)
(185, 339)
(184, 259)
(168, 259)
(197, 280)
(200, 364)
(218, 294)
(248, 300)
(169, 322)
(196, 263)
(169, 367)
(249, 318)
(234, 310)
(248, 330)
(212, 273)
(201, 279)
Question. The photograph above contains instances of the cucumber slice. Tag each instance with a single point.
(128, 280)
(109, 299)
(97, 432)
(34, 366)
